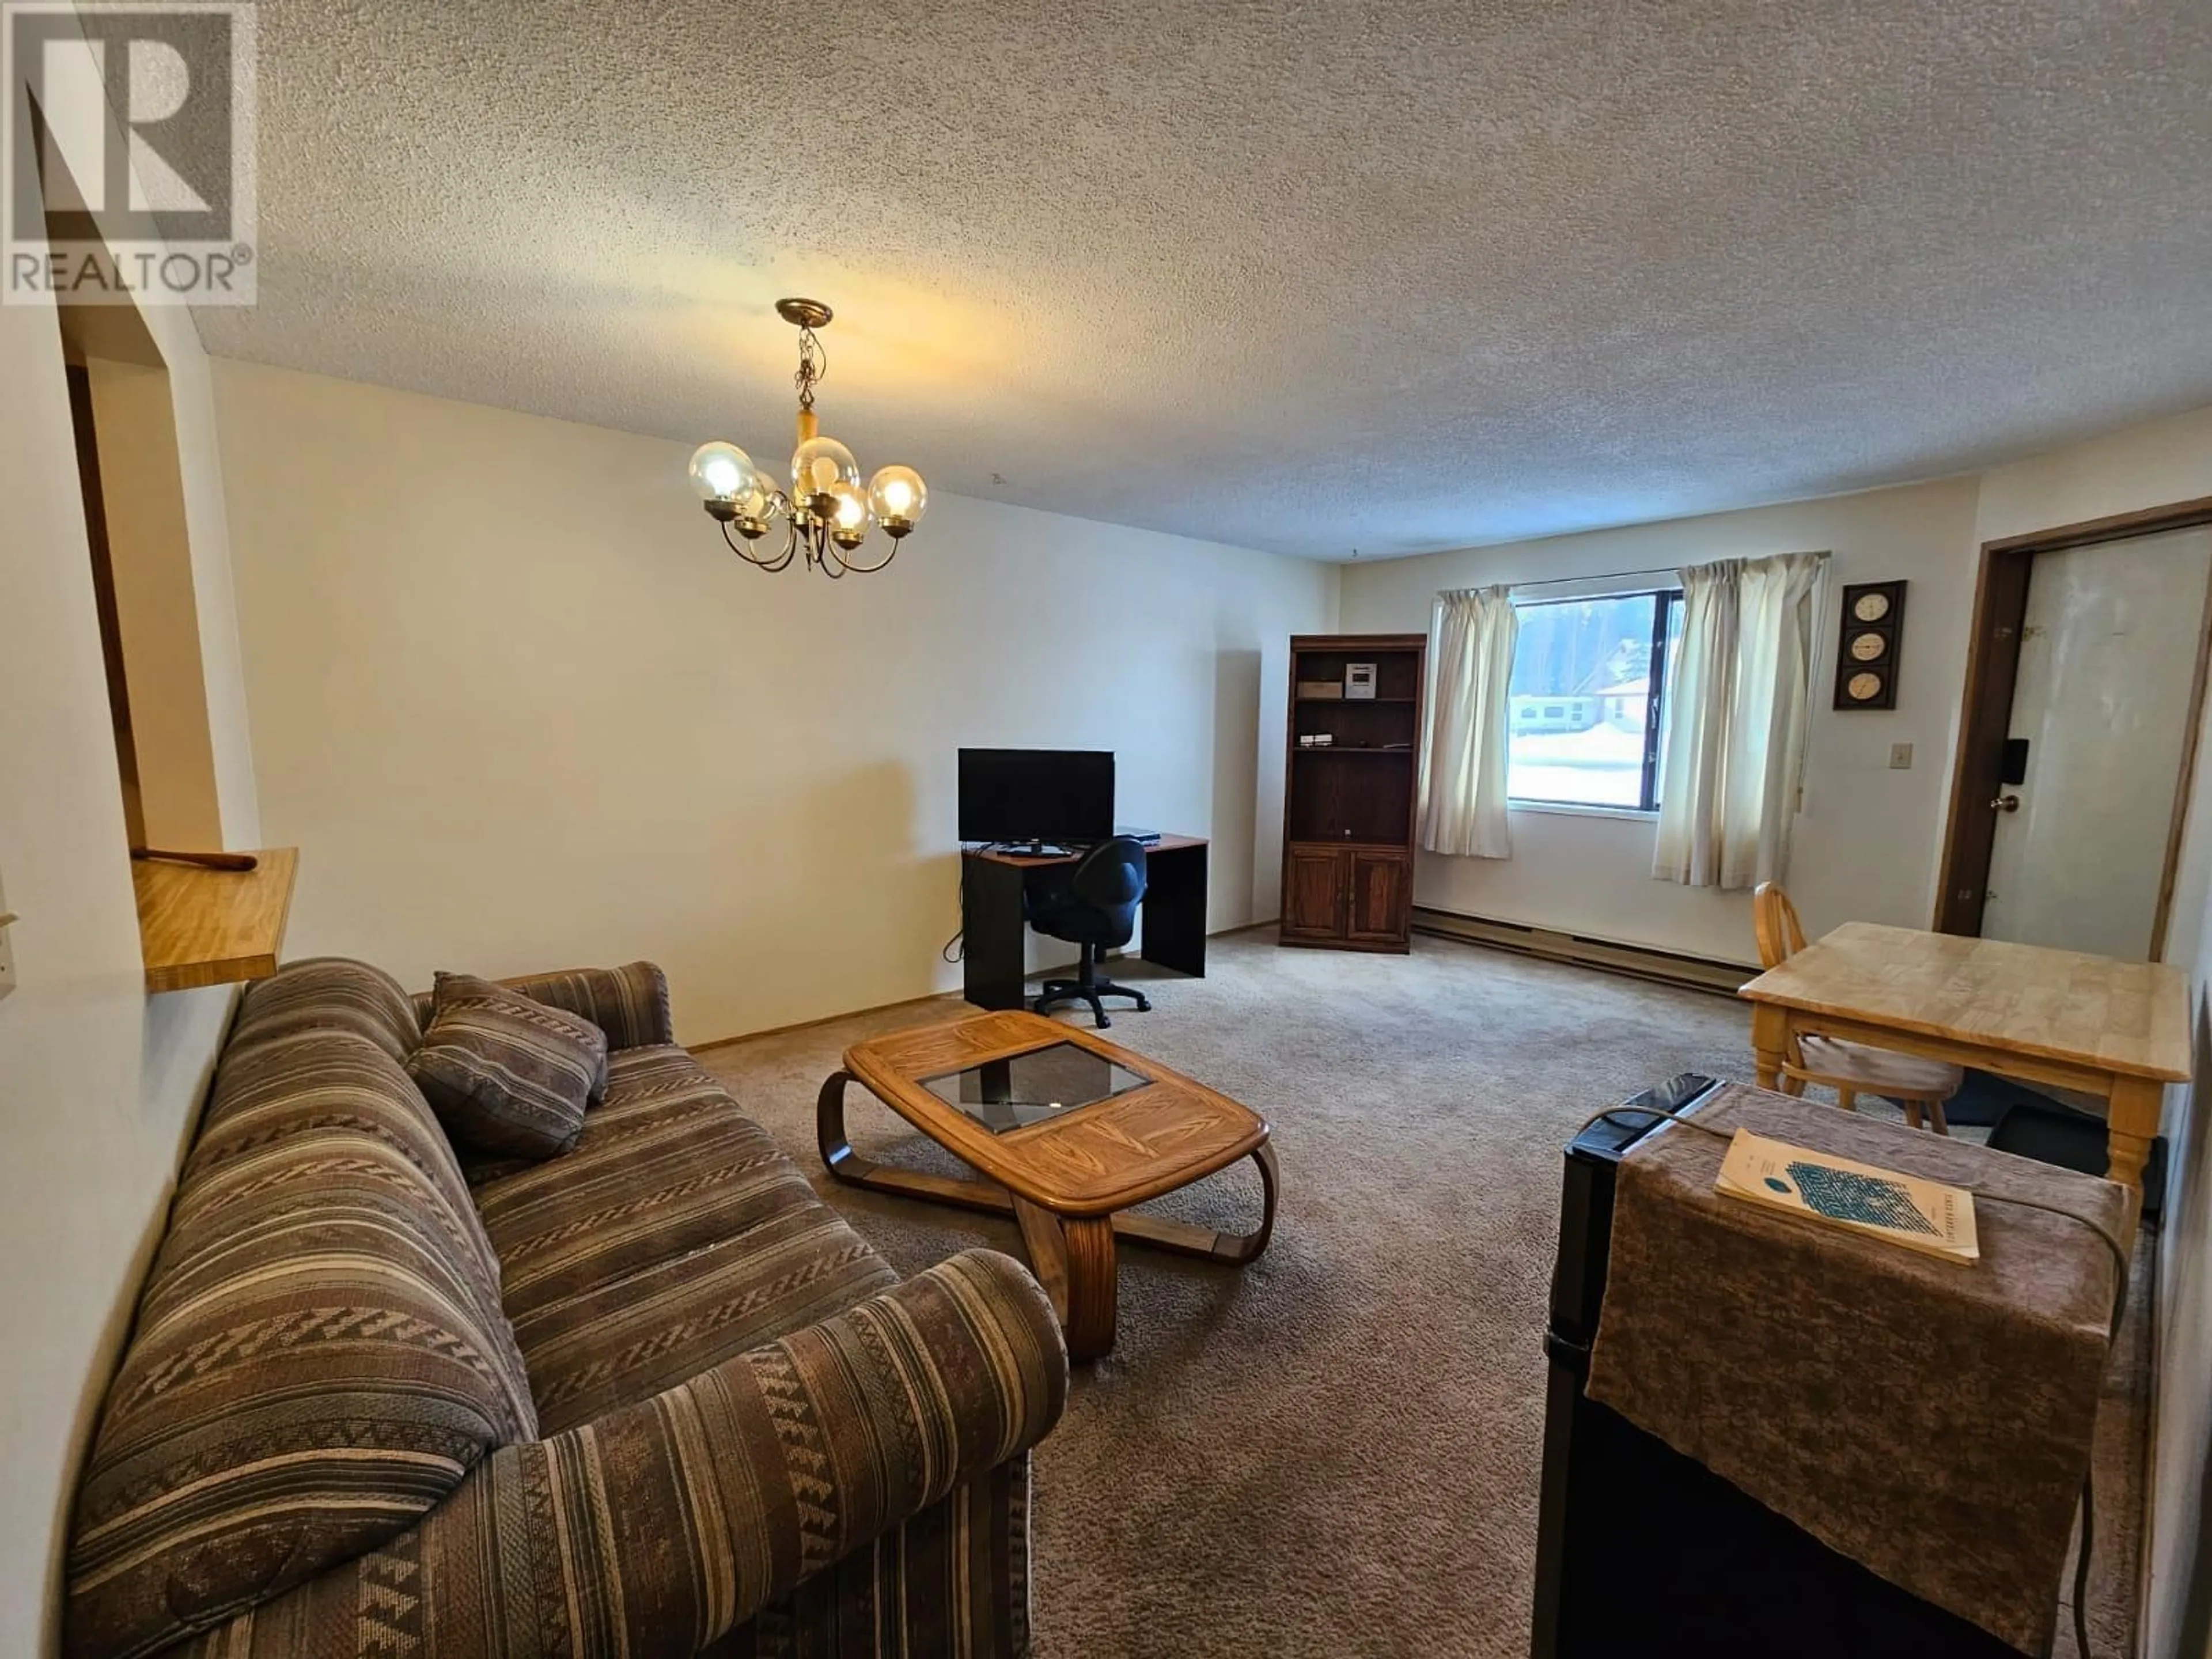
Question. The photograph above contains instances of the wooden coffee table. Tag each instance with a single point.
(1066, 1129)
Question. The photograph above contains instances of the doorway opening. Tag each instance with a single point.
(131, 471)
(2085, 679)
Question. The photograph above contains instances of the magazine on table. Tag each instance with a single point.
(1920, 1215)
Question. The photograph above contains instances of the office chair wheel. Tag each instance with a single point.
(1058, 992)
(1056, 996)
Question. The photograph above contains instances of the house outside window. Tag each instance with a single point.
(1587, 698)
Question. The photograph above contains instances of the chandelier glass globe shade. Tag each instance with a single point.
(818, 464)
(722, 472)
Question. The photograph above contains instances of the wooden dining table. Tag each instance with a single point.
(2118, 1030)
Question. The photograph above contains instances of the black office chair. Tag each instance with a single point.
(1092, 903)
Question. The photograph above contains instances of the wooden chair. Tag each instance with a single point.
(1851, 1069)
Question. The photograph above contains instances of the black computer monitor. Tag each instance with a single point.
(1036, 794)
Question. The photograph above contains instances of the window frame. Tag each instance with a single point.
(1665, 602)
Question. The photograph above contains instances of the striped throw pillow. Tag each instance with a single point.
(507, 1074)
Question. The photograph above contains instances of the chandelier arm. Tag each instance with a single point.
(737, 547)
(870, 569)
(744, 550)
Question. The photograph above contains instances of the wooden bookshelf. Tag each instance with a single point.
(1348, 806)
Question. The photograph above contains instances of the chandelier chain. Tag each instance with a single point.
(813, 367)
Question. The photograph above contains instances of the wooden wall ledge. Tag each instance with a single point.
(213, 926)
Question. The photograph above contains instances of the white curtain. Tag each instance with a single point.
(1738, 697)
(1463, 781)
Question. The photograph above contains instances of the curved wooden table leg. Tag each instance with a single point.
(849, 1167)
(1047, 1251)
(1235, 1248)
(1092, 1283)
(1073, 1259)
(1073, 1256)
(1240, 1248)
(837, 1151)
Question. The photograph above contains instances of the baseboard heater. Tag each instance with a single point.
(1672, 967)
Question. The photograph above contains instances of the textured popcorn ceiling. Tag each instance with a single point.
(1401, 275)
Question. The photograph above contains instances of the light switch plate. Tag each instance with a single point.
(1901, 756)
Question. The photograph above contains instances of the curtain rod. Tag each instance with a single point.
(1601, 576)
(1673, 570)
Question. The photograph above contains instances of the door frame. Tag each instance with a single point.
(1985, 708)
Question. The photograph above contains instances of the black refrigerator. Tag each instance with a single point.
(1639, 1550)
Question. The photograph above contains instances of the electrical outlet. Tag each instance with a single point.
(1901, 756)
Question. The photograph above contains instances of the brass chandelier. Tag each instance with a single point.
(826, 514)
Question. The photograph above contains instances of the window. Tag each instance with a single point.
(1589, 678)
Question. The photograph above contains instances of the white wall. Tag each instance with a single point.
(2179, 1619)
(1866, 841)
(99, 1084)
(2154, 465)
(521, 710)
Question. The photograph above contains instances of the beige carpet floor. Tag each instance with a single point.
(1335, 1450)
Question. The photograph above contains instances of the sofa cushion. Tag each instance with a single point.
(328, 1087)
(507, 1074)
(331, 993)
(672, 1236)
(319, 1355)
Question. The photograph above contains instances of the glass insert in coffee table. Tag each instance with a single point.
(1029, 1088)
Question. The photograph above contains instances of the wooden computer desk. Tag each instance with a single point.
(994, 964)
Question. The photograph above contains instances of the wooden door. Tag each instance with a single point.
(1980, 796)
(1314, 892)
(1380, 899)
(2104, 705)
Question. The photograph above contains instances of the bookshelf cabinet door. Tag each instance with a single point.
(1380, 900)
(1315, 892)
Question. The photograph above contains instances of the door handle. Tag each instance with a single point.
(2005, 804)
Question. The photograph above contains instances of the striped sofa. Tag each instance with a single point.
(650, 1397)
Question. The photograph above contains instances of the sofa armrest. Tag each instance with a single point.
(629, 1004)
(656, 1528)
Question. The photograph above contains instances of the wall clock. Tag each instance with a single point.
(1872, 629)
